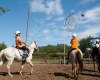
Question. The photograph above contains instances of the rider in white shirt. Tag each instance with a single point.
(97, 45)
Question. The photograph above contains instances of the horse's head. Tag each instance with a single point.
(88, 51)
(33, 47)
(36, 46)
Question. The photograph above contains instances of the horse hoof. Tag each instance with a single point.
(21, 74)
(11, 75)
(30, 73)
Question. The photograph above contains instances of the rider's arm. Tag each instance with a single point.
(19, 39)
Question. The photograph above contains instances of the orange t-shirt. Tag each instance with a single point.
(18, 41)
(74, 43)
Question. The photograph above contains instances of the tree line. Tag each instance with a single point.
(83, 44)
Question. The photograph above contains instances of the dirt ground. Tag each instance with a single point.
(47, 72)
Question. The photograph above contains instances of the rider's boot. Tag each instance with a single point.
(26, 52)
(67, 60)
(24, 57)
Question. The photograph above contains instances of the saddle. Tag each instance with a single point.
(21, 51)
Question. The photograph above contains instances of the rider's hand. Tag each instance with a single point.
(24, 42)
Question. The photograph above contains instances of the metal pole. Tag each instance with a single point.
(65, 37)
(27, 24)
(64, 40)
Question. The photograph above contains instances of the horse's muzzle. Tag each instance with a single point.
(36, 49)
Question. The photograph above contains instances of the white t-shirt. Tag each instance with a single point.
(96, 45)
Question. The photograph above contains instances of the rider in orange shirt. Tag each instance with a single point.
(74, 43)
(19, 43)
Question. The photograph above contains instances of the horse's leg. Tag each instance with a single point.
(94, 65)
(30, 62)
(23, 62)
(3, 60)
(8, 67)
(97, 63)
(73, 69)
(77, 71)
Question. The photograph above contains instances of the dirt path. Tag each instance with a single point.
(47, 72)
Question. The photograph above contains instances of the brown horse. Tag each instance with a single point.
(76, 57)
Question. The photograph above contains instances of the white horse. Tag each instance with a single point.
(76, 57)
(10, 54)
(88, 52)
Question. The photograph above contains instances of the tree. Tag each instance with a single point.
(54, 48)
(13, 46)
(60, 47)
(3, 46)
(85, 43)
(2, 10)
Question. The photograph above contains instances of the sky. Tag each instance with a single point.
(51, 22)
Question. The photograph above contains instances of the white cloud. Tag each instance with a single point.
(31, 34)
(49, 6)
(92, 15)
(60, 19)
(37, 6)
(48, 18)
(48, 38)
(51, 24)
(90, 30)
(45, 31)
(53, 39)
(86, 1)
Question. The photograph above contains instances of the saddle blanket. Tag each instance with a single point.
(21, 52)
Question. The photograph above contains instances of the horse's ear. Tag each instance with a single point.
(34, 41)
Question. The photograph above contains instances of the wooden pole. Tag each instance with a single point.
(27, 24)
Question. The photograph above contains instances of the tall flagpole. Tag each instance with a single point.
(27, 24)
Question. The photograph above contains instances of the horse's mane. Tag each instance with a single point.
(30, 44)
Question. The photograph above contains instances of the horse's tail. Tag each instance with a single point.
(1, 53)
(80, 60)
